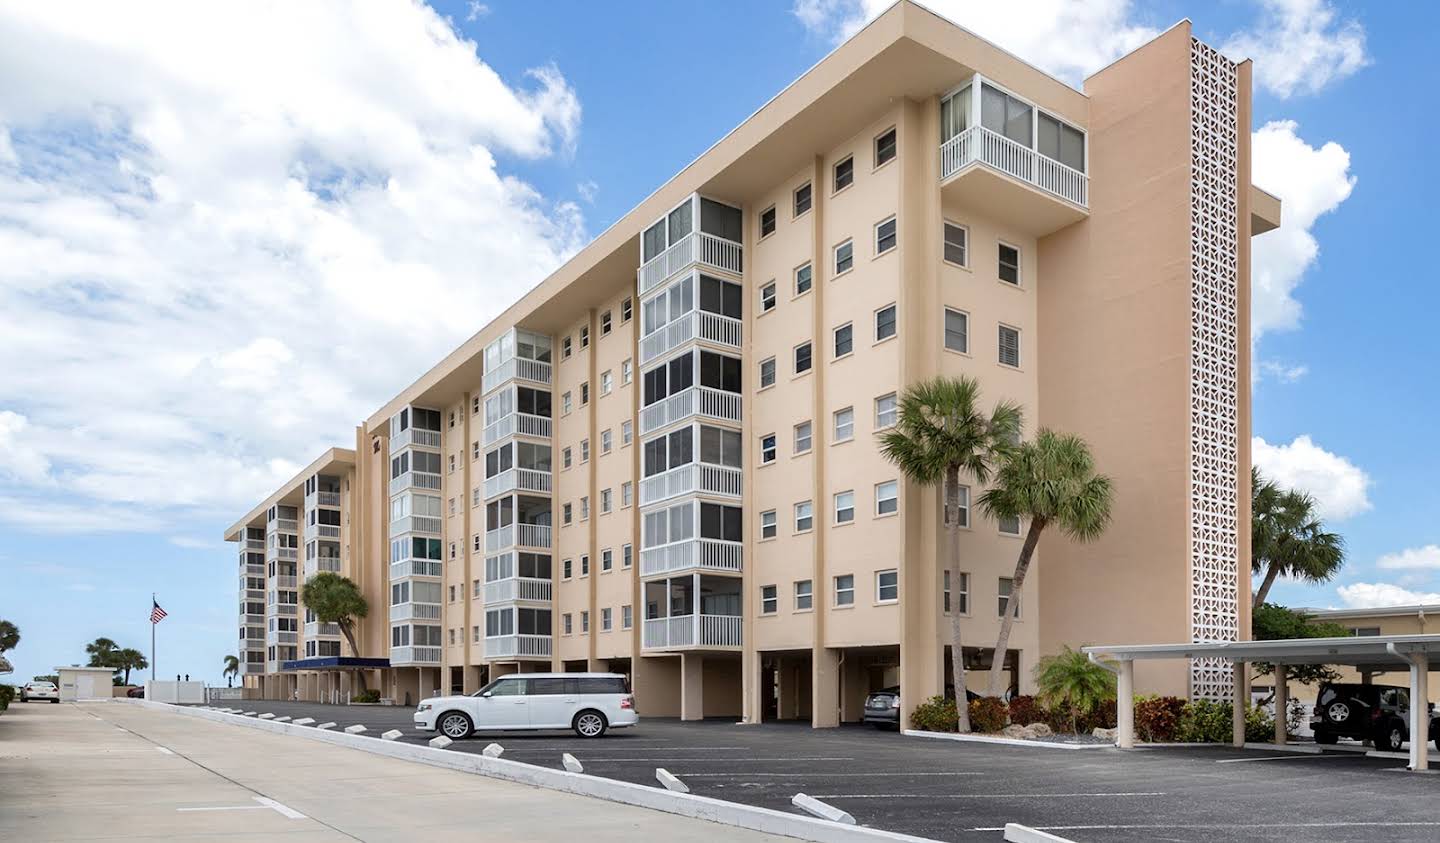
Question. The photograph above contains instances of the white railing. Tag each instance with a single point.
(256, 635)
(705, 554)
(415, 612)
(517, 646)
(254, 544)
(522, 368)
(278, 637)
(525, 424)
(284, 554)
(415, 479)
(693, 631)
(314, 629)
(518, 588)
(285, 582)
(321, 531)
(979, 144)
(696, 477)
(415, 524)
(414, 655)
(719, 329)
(329, 564)
(499, 538)
(415, 568)
(527, 535)
(522, 479)
(283, 525)
(252, 620)
(327, 498)
(287, 609)
(703, 401)
(416, 437)
(695, 247)
(711, 327)
(254, 570)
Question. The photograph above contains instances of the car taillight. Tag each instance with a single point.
(1375, 713)
(894, 702)
(627, 702)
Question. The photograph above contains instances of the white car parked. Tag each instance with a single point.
(39, 691)
(589, 703)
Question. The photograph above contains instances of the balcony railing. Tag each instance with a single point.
(284, 581)
(521, 479)
(704, 554)
(284, 554)
(979, 144)
(315, 629)
(285, 609)
(415, 524)
(416, 568)
(525, 424)
(322, 563)
(327, 498)
(254, 544)
(275, 636)
(518, 535)
(414, 655)
(711, 327)
(695, 247)
(414, 479)
(692, 631)
(702, 401)
(415, 612)
(252, 620)
(321, 531)
(517, 647)
(416, 437)
(521, 368)
(283, 525)
(518, 588)
(696, 477)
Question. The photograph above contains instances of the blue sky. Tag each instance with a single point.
(180, 221)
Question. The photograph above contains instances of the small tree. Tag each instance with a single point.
(1070, 680)
(336, 599)
(1270, 622)
(1287, 538)
(102, 652)
(130, 659)
(1051, 480)
(232, 669)
(9, 636)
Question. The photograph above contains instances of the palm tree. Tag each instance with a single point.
(130, 659)
(9, 636)
(336, 599)
(232, 669)
(1070, 679)
(1051, 480)
(1287, 538)
(102, 652)
(941, 433)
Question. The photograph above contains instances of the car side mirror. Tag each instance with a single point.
(487, 695)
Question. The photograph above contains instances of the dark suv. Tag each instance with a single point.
(1365, 712)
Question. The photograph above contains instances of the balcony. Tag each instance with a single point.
(283, 609)
(517, 479)
(711, 327)
(516, 368)
(518, 535)
(415, 568)
(695, 247)
(721, 631)
(518, 588)
(523, 424)
(415, 524)
(414, 655)
(321, 531)
(703, 401)
(254, 569)
(415, 480)
(329, 564)
(696, 477)
(414, 436)
(286, 582)
(415, 612)
(284, 554)
(517, 647)
(983, 168)
(252, 620)
(253, 544)
(690, 555)
(315, 629)
(325, 499)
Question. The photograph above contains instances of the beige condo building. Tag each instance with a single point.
(662, 460)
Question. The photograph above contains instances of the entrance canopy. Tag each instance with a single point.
(334, 663)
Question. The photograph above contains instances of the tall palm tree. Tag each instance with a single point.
(1051, 480)
(232, 670)
(102, 652)
(9, 636)
(336, 599)
(1070, 679)
(130, 659)
(940, 434)
(1288, 539)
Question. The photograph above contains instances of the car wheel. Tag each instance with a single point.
(56, 700)
(1338, 712)
(456, 725)
(1326, 737)
(1391, 737)
(589, 724)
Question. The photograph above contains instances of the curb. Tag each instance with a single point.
(948, 736)
(765, 820)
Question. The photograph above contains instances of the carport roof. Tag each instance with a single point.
(1378, 650)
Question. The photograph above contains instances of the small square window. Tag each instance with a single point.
(886, 411)
(767, 221)
(767, 372)
(767, 449)
(584, 507)
(768, 528)
(887, 498)
(802, 198)
(804, 278)
(844, 507)
(585, 336)
(804, 595)
(1009, 264)
(627, 309)
(767, 297)
(1009, 526)
(585, 621)
(887, 586)
(957, 244)
(844, 340)
(802, 358)
(769, 600)
(845, 424)
(845, 590)
(885, 148)
(804, 516)
(627, 371)
(1009, 346)
(885, 236)
(957, 331)
(802, 437)
(844, 257)
(844, 173)
(627, 432)
(885, 323)
(605, 320)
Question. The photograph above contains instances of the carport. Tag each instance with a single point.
(1367, 653)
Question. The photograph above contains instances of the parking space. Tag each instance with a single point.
(966, 791)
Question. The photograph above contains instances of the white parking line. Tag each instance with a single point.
(981, 795)
(225, 808)
(1295, 757)
(552, 747)
(692, 759)
(283, 810)
(271, 804)
(162, 749)
(826, 775)
(1226, 826)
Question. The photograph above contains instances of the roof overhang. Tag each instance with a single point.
(334, 663)
(1369, 650)
(335, 460)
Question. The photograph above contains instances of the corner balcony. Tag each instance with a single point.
(330, 564)
(321, 531)
(519, 588)
(517, 480)
(983, 168)
(415, 524)
(416, 437)
(523, 424)
(691, 631)
(400, 656)
(415, 612)
(284, 581)
(695, 247)
(283, 525)
(315, 629)
(415, 480)
(253, 544)
(518, 647)
(516, 368)
(279, 637)
(692, 555)
(697, 324)
(252, 620)
(284, 554)
(283, 609)
(702, 401)
(518, 535)
(695, 477)
(416, 568)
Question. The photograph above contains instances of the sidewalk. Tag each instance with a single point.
(109, 771)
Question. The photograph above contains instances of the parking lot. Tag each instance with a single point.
(967, 791)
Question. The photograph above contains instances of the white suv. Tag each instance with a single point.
(40, 691)
(589, 703)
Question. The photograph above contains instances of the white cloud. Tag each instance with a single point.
(1300, 46)
(1283, 372)
(1413, 558)
(1339, 487)
(1365, 595)
(476, 10)
(229, 234)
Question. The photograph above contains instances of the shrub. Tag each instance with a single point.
(1026, 710)
(988, 714)
(937, 714)
(1259, 725)
(1157, 719)
(1206, 721)
(7, 693)
(368, 696)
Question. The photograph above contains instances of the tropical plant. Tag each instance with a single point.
(940, 434)
(336, 599)
(936, 714)
(102, 652)
(988, 714)
(9, 636)
(130, 659)
(1051, 480)
(232, 669)
(1287, 538)
(1269, 622)
(1069, 680)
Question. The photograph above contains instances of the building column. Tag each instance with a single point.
(825, 687)
(1237, 705)
(1124, 705)
(692, 686)
(1282, 704)
(1419, 711)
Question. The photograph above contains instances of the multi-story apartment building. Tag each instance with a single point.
(663, 461)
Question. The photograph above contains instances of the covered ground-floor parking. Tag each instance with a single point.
(1368, 655)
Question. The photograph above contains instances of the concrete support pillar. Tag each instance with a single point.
(1125, 705)
(1238, 702)
(1282, 704)
(1420, 712)
(825, 688)
(692, 686)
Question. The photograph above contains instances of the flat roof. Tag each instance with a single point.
(1374, 612)
(293, 491)
(1374, 650)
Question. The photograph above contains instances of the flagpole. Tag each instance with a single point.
(152, 637)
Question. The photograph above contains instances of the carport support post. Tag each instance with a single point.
(1419, 711)
(1282, 703)
(1237, 704)
(1125, 704)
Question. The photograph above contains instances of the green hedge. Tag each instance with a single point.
(370, 696)
(1157, 719)
(7, 693)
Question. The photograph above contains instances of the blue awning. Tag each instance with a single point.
(334, 663)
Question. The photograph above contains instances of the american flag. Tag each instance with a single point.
(157, 614)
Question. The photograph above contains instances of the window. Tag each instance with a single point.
(627, 493)
(963, 507)
(769, 600)
(607, 440)
(584, 336)
(565, 455)
(565, 404)
(885, 323)
(957, 331)
(885, 411)
(565, 623)
(566, 514)
(885, 148)
(767, 222)
(845, 590)
(584, 564)
(1006, 115)
(804, 595)
(1009, 346)
(627, 372)
(1009, 264)
(607, 382)
(605, 323)
(844, 173)
(844, 257)
(767, 524)
(802, 358)
(584, 507)
(804, 278)
(605, 619)
(885, 236)
(627, 432)
(605, 500)
(584, 393)
(1009, 526)
(1365, 631)
(1060, 142)
(804, 516)
(1007, 585)
(887, 586)
(565, 349)
(627, 555)
(844, 340)
(887, 498)
(767, 449)
(767, 297)
(584, 450)
(567, 568)
(845, 424)
(961, 596)
(627, 616)
(627, 309)
(802, 198)
(767, 372)
(802, 437)
(844, 507)
(452, 464)
(957, 244)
